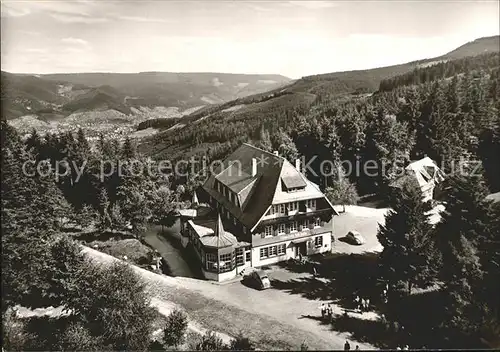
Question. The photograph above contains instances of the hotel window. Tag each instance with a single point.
(318, 241)
(317, 222)
(281, 229)
(226, 262)
(230, 196)
(281, 249)
(264, 253)
(239, 256)
(268, 231)
(293, 226)
(248, 256)
(294, 206)
(305, 224)
(225, 257)
(311, 203)
(211, 260)
(272, 251)
(282, 208)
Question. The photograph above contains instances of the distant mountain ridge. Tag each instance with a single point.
(475, 47)
(69, 92)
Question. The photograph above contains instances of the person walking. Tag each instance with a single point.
(323, 310)
(357, 348)
(329, 311)
(356, 302)
(347, 346)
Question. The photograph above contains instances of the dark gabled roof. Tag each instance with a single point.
(257, 193)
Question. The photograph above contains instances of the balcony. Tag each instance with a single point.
(297, 216)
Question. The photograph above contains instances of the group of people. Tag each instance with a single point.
(326, 311)
(362, 304)
(347, 347)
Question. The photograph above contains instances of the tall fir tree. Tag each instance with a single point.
(407, 259)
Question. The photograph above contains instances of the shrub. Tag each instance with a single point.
(175, 328)
(211, 342)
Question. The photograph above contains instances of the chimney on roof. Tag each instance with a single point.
(297, 164)
(254, 167)
(276, 153)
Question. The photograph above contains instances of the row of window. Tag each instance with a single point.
(293, 226)
(226, 192)
(226, 262)
(292, 206)
(272, 251)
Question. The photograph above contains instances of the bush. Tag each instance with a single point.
(241, 343)
(175, 329)
(211, 342)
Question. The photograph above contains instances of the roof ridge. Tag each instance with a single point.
(262, 150)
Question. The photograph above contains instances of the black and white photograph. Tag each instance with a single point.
(223, 175)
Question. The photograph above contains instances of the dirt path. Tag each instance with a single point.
(165, 308)
(172, 255)
(272, 318)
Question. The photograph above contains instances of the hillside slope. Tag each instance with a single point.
(221, 126)
(476, 47)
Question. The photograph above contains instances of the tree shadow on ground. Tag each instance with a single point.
(340, 278)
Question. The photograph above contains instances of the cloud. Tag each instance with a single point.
(8, 11)
(80, 18)
(81, 11)
(75, 41)
(35, 50)
(144, 19)
(314, 5)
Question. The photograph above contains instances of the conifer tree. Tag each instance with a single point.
(265, 140)
(408, 254)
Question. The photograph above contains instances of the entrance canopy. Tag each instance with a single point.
(300, 240)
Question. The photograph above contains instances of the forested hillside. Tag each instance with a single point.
(446, 111)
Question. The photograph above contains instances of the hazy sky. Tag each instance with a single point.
(293, 38)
